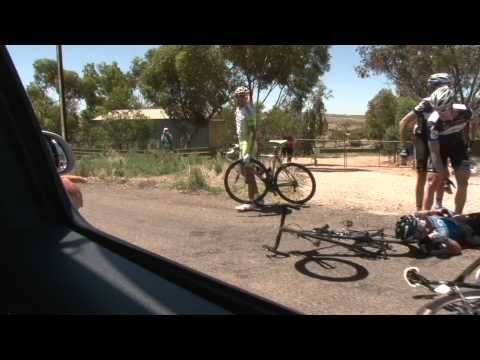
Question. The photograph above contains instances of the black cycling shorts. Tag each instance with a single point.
(474, 222)
(421, 151)
(453, 147)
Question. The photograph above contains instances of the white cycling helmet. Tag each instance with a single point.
(442, 98)
(440, 79)
(242, 90)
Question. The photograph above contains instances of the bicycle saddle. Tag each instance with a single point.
(278, 142)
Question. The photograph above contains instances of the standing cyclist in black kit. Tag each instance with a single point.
(446, 141)
(419, 116)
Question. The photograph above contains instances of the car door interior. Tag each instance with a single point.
(54, 262)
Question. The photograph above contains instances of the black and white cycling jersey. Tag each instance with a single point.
(439, 127)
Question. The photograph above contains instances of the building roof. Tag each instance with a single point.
(150, 114)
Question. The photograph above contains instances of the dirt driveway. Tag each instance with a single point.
(203, 232)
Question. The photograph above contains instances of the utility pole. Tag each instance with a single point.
(61, 95)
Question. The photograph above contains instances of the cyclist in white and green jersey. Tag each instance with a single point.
(246, 121)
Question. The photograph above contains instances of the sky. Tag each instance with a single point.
(351, 94)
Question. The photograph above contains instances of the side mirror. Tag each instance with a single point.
(61, 152)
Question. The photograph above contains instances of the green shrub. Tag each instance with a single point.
(153, 163)
(193, 180)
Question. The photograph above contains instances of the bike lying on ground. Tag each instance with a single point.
(461, 297)
(293, 182)
(367, 243)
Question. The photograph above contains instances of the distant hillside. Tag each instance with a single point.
(336, 120)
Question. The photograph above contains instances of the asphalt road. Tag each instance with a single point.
(204, 232)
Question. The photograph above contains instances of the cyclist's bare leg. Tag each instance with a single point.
(419, 189)
(432, 187)
(462, 177)
(439, 196)
(252, 184)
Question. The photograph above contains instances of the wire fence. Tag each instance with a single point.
(84, 151)
(346, 153)
(354, 153)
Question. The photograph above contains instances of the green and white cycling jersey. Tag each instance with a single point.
(246, 121)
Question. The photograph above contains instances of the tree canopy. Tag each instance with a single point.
(409, 66)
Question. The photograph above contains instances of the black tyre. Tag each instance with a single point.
(295, 183)
(454, 305)
(236, 186)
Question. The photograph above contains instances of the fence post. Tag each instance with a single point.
(395, 155)
(344, 153)
(379, 153)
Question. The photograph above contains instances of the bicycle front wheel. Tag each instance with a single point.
(454, 305)
(295, 183)
(236, 185)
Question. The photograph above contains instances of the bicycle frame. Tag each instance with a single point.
(293, 182)
(454, 285)
(456, 288)
(316, 236)
(275, 163)
(276, 159)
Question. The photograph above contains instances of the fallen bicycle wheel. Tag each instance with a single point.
(454, 305)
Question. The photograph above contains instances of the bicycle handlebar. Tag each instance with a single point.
(414, 279)
(290, 206)
(282, 207)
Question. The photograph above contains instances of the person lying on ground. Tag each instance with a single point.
(440, 232)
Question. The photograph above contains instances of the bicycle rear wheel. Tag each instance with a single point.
(295, 183)
(454, 305)
(236, 185)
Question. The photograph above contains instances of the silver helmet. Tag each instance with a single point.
(440, 79)
(442, 98)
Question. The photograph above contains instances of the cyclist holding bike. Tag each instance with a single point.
(439, 232)
(245, 118)
(419, 116)
(446, 140)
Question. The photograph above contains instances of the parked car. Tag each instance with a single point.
(55, 262)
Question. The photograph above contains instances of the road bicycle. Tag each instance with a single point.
(366, 243)
(460, 297)
(292, 182)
